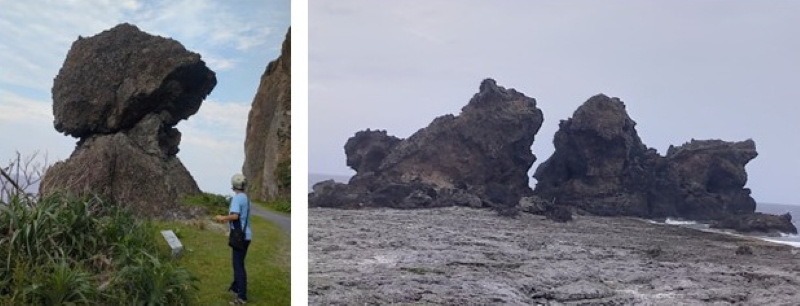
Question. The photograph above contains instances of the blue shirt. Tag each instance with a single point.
(240, 205)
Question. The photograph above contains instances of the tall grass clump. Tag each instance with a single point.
(84, 251)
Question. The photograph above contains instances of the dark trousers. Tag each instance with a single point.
(239, 284)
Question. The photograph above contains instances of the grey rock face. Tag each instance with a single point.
(267, 146)
(463, 256)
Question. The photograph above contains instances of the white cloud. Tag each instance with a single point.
(212, 145)
(131, 5)
(37, 35)
(15, 108)
(219, 63)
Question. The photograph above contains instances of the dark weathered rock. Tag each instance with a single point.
(712, 178)
(599, 163)
(601, 167)
(559, 214)
(333, 194)
(122, 92)
(267, 163)
(534, 205)
(478, 158)
(458, 197)
(366, 150)
(112, 80)
(759, 223)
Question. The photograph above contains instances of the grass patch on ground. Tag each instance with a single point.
(208, 257)
(283, 206)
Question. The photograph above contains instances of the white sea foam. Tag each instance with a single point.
(780, 241)
(680, 222)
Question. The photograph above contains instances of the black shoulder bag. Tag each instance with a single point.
(236, 238)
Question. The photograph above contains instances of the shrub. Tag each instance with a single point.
(215, 204)
(65, 250)
(282, 205)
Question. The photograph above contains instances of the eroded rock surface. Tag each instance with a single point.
(122, 92)
(112, 80)
(602, 167)
(600, 164)
(478, 158)
(759, 223)
(464, 256)
(267, 163)
(712, 176)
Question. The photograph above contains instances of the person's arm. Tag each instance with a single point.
(223, 219)
(234, 210)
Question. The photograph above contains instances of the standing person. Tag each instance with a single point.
(239, 211)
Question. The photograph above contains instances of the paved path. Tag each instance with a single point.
(282, 221)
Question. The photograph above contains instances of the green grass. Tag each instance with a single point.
(208, 257)
(282, 206)
(214, 204)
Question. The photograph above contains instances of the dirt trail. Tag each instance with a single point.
(462, 256)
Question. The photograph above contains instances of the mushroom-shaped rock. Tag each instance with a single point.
(122, 92)
(112, 80)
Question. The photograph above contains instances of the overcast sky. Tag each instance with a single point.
(235, 38)
(685, 69)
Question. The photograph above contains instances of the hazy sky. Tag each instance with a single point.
(235, 38)
(685, 69)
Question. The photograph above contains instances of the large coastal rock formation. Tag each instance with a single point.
(712, 176)
(600, 164)
(267, 163)
(478, 158)
(121, 92)
(601, 167)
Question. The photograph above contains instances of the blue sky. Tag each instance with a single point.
(235, 38)
(685, 69)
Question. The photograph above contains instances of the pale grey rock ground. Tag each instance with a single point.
(463, 256)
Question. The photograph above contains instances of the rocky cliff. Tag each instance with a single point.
(478, 158)
(121, 92)
(600, 162)
(267, 163)
(601, 167)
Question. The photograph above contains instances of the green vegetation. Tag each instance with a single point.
(64, 250)
(283, 173)
(214, 203)
(208, 257)
(279, 205)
